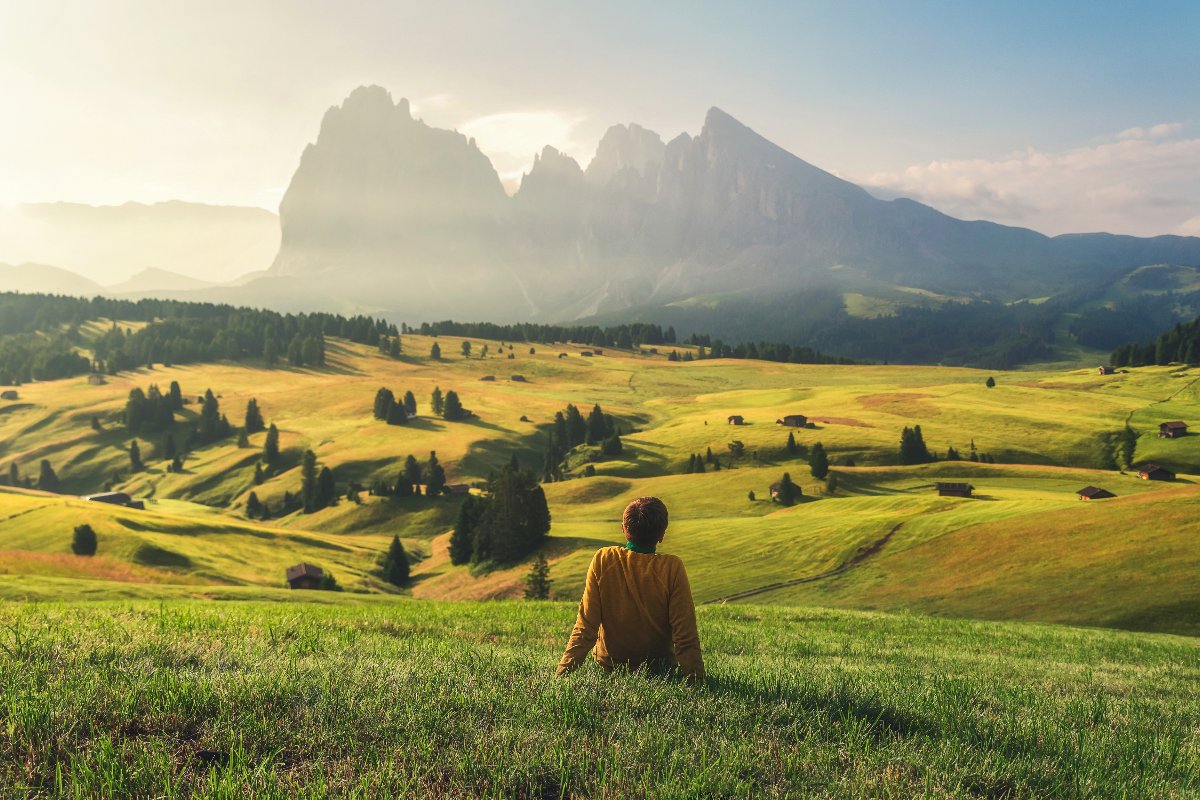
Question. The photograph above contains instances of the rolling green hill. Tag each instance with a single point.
(1024, 548)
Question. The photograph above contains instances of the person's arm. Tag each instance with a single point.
(682, 613)
(587, 624)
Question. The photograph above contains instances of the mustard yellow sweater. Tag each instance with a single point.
(636, 607)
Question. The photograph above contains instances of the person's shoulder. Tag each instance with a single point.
(605, 553)
(672, 562)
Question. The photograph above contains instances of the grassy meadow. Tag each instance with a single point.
(369, 698)
(1023, 548)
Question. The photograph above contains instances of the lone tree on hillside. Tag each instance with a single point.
(47, 480)
(83, 543)
(537, 584)
(397, 415)
(395, 564)
(435, 401)
(271, 445)
(435, 352)
(991, 382)
(254, 507)
(818, 461)
(410, 403)
(254, 420)
(791, 444)
(788, 491)
(308, 481)
(466, 349)
(435, 476)
(452, 409)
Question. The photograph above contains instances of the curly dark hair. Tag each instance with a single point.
(644, 521)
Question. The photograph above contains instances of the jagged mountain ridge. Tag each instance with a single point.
(404, 217)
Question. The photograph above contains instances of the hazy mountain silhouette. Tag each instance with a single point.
(109, 244)
(389, 213)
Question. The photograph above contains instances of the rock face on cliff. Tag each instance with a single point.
(387, 213)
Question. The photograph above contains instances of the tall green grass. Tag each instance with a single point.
(186, 698)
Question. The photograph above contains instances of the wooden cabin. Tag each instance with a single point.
(9, 394)
(586, 353)
(1094, 493)
(737, 419)
(1106, 370)
(519, 379)
(488, 378)
(793, 421)
(954, 489)
(304, 576)
(1172, 430)
(1153, 472)
(96, 379)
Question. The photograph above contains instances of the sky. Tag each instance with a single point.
(1060, 116)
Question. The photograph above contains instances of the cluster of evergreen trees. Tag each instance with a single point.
(47, 479)
(392, 411)
(413, 476)
(707, 347)
(176, 333)
(627, 336)
(28, 357)
(506, 524)
(571, 429)
(912, 446)
(152, 411)
(1181, 344)
(448, 406)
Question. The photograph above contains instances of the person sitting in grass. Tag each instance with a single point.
(637, 607)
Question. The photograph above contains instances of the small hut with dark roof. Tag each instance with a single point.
(1153, 472)
(304, 576)
(1172, 430)
(1094, 493)
(954, 489)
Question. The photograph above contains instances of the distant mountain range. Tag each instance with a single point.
(722, 232)
(113, 244)
(392, 213)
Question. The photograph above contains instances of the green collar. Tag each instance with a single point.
(638, 548)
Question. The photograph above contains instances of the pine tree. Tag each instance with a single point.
(436, 481)
(700, 464)
(253, 507)
(466, 349)
(818, 461)
(254, 420)
(177, 464)
(271, 445)
(595, 426)
(326, 488)
(708, 456)
(462, 539)
(435, 400)
(308, 481)
(410, 403)
(47, 480)
(576, 427)
(135, 457)
(175, 396)
(452, 409)
(991, 382)
(14, 475)
(259, 475)
(243, 440)
(168, 447)
(750, 496)
(612, 447)
(788, 491)
(412, 470)
(83, 543)
(435, 352)
(395, 564)
(791, 444)
(537, 584)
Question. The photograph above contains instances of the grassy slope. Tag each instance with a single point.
(730, 544)
(439, 699)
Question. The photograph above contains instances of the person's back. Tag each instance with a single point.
(637, 606)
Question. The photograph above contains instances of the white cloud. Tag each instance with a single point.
(1142, 181)
(512, 139)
